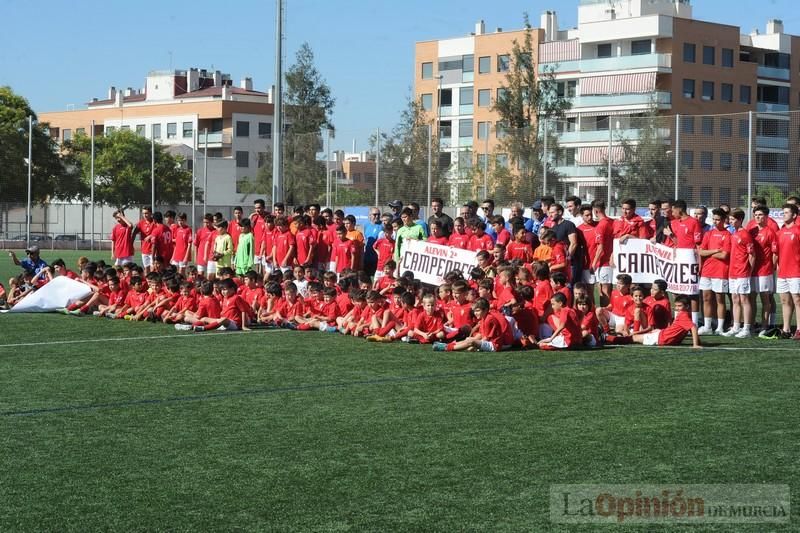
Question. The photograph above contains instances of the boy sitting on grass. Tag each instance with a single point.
(673, 334)
(491, 334)
(567, 331)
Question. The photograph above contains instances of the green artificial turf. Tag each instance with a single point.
(296, 431)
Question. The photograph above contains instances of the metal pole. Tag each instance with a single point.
(430, 156)
(152, 169)
(377, 164)
(328, 171)
(749, 161)
(544, 160)
(486, 165)
(277, 154)
(610, 141)
(91, 188)
(30, 168)
(205, 171)
(677, 155)
(194, 182)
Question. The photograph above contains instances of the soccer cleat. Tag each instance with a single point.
(743, 334)
(199, 329)
(97, 313)
(183, 327)
(730, 333)
(290, 325)
(786, 335)
(412, 340)
(705, 331)
(439, 347)
(63, 311)
(770, 334)
(222, 328)
(75, 312)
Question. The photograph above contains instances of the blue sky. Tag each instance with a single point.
(58, 53)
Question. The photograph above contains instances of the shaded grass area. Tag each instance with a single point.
(298, 431)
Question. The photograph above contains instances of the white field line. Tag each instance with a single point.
(187, 335)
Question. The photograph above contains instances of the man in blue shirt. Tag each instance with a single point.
(33, 264)
(372, 230)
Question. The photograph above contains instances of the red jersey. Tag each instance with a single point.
(343, 252)
(202, 241)
(208, 307)
(233, 307)
(136, 299)
(674, 333)
(742, 247)
(252, 295)
(117, 298)
(633, 226)
(343, 304)
(771, 224)
(605, 233)
(438, 240)
(290, 310)
(122, 241)
(183, 239)
(716, 239)
(504, 237)
(323, 253)
(572, 329)
(521, 251)
(146, 228)
(648, 313)
(620, 303)
(459, 240)
(306, 241)
(541, 297)
(661, 312)
(589, 321)
(559, 256)
(789, 251)
(462, 315)
(591, 241)
(494, 328)
(163, 241)
(765, 247)
(329, 311)
(259, 228)
(687, 232)
(186, 303)
(283, 241)
(407, 317)
(504, 295)
(234, 229)
(484, 242)
(527, 321)
(430, 323)
(384, 248)
(267, 240)
(567, 294)
(384, 283)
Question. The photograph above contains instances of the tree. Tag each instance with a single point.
(309, 105)
(524, 102)
(647, 167)
(404, 158)
(122, 170)
(50, 178)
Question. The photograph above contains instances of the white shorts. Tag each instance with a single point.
(512, 323)
(232, 326)
(487, 346)
(651, 339)
(763, 283)
(201, 269)
(613, 320)
(719, 286)
(559, 342)
(147, 260)
(119, 261)
(258, 260)
(332, 266)
(788, 285)
(739, 285)
(211, 267)
(179, 264)
(604, 275)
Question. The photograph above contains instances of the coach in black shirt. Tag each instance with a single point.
(567, 233)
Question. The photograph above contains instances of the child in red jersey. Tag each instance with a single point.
(348, 322)
(377, 319)
(136, 298)
(502, 235)
(590, 327)
(207, 306)
(186, 301)
(437, 235)
(459, 317)
(251, 290)
(234, 314)
(386, 281)
(520, 248)
(343, 251)
(493, 332)
(460, 237)
(306, 239)
(405, 318)
(542, 292)
(659, 304)
(182, 237)
(164, 299)
(480, 240)
(524, 315)
(116, 298)
(267, 307)
(429, 326)
(445, 298)
(284, 246)
(291, 308)
(559, 282)
(613, 316)
(321, 316)
(505, 290)
(673, 334)
(639, 317)
(486, 291)
(384, 249)
(567, 333)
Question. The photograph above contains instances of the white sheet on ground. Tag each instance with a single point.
(59, 293)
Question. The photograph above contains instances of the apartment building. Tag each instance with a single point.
(191, 112)
(622, 60)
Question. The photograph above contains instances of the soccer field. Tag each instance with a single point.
(133, 426)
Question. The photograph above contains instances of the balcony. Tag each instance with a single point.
(464, 142)
(772, 176)
(615, 100)
(595, 136)
(602, 64)
(764, 107)
(772, 72)
(214, 139)
(778, 143)
(579, 171)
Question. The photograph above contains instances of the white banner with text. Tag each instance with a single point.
(646, 262)
(430, 262)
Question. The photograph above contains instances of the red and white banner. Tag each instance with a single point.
(430, 262)
(646, 262)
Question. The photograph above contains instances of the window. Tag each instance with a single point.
(484, 97)
(465, 96)
(242, 128)
(484, 65)
(776, 60)
(689, 53)
(156, 131)
(140, 129)
(688, 88)
(445, 129)
(706, 193)
(772, 128)
(572, 88)
(264, 130)
(80, 131)
(451, 64)
(427, 71)
(172, 130)
(639, 48)
(262, 159)
(771, 94)
(124, 128)
(482, 160)
(444, 159)
(743, 162)
(687, 124)
(427, 101)
(483, 130)
(724, 195)
(501, 160)
(707, 125)
(464, 160)
(468, 63)
(707, 160)
(687, 158)
(727, 57)
(503, 62)
(565, 157)
(744, 128)
(604, 50)
(726, 127)
(501, 93)
(772, 162)
(465, 128)
(187, 130)
(242, 158)
(67, 133)
(602, 123)
(725, 160)
(744, 94)
(726, 92)
(708, 55)
(445, 97)
(499, 130)
(708, 90)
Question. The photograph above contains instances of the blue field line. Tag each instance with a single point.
(347, 384)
